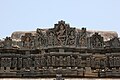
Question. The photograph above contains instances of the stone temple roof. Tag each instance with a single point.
(60, 51)
(107, 35)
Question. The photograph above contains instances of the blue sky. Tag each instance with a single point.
(28, 15)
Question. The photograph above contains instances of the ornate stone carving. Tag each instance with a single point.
(40, 39)
(88, 60)
(61, 60)
(14, 62)
(43, 61)
(111, 61)
(8, 62)
(72, 61)
(53, 60)
(82, 38)
(64, 61)
(103, 63)
(78, 61)
(30, 62)
(68, 60)
(116, 61)
(93, 62)
(71, 37)
(8, 42)
(96, 41)
(25, 63)
(19, 65)
(48, 60)
(27, 41)
(51, 37)
(57, 61)
(114, 43)
(37, 62)
(97, 63)
(61, 33)
(5, 62)
(48, 52)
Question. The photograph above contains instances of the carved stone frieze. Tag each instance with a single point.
(62, 50)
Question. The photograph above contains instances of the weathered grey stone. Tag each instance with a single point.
(61, 50)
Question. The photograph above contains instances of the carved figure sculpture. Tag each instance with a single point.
(71, 37)
(82, 38)
(61, 35)
(40, 39)
(14, 62)
(96, 41)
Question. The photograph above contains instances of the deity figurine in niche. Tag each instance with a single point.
(97, 41)
(40, 38)
(27, 42)
(82, 42)
(82, 37)
(61, 35)
(71, 38)
(111, 61)
(51, 39)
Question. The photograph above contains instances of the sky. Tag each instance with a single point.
(28, 15)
